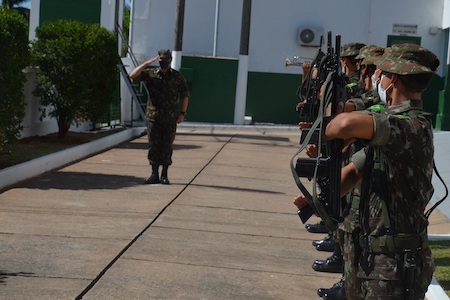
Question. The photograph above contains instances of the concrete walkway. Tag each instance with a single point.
(225, 228)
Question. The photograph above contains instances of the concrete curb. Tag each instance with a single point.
(41, 165)
(435, 291)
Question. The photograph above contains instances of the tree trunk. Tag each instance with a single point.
(63, 127)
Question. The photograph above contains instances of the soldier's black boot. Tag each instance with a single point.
(317, 228)
(325, 244)
(154, 178)
(336, 294)
(333, 264)
(164, 178)
(327, 238)
(338, 285)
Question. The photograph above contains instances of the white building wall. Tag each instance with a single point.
(274, 26)
(446, 17)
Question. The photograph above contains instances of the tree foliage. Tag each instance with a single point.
(15, 5)
(77, 71)
(14, 57)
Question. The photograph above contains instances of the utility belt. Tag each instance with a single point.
(394, 244)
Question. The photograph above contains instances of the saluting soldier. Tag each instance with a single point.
(166, 87)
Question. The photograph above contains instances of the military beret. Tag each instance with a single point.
(165, 54)
(404, 59)
(351, 49)
(370, 54)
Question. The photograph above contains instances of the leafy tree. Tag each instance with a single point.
(14, 57)
(15, 5)
(77, 71)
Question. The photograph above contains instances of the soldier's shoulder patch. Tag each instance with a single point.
(401, 117)
(376, 108)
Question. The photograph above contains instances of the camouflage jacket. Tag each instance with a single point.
(351, 211)
(165, 90)
(366, 100)
(399, 173)
(354, 87)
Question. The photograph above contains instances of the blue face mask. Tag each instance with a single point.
(164, 64)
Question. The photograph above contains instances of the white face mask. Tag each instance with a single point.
(374, 82)
(382, 92)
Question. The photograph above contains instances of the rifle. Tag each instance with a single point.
(310, 87)
(325, 170)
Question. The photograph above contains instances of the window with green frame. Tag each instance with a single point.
(400, 39)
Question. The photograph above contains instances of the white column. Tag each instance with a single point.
(241, 90)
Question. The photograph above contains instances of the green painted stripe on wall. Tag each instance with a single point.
(212, 84)
(443, 110)
(85, 11)
(430, 96)
(271, 97)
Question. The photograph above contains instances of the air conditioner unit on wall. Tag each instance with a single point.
(309, 36)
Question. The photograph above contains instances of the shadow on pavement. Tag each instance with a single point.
(82, 181)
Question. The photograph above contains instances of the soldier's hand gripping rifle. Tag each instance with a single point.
(325, 170)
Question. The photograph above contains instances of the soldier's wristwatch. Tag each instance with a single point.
(183, 113)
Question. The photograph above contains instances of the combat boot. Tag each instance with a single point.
(154, 178)
(338, 285)
(335, 294)
(317, 228)
(164, 178)
(333, 264)
(326, 245)
(327, 238)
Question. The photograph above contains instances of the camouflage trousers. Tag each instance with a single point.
(352, 282)
(160, 142)
(387, 280)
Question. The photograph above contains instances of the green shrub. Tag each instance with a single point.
(76, 76)
(14, 57)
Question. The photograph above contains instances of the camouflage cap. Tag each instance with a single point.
(165, 54)
(370, 54)
(351, 49)
(404, 59)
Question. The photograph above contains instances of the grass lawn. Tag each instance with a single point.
(441, 255)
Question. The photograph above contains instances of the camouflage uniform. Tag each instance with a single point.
(349, 228)
(395, 191)
(165, 90)
(354, 87)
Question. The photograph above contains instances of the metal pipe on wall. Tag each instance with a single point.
(216, 27)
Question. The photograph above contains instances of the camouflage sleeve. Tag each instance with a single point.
(359, 159)
(359, 103)
(182, 88)
(143, 76)
(382, 129)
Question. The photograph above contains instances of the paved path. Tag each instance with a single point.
(225, 228)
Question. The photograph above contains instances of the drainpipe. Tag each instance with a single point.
(130, 33)
(178, 44)
(241, 87)
(443, 115)
(216, 28)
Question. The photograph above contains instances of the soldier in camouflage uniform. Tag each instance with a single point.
(349, 285)
(166, 86)
(394, 261)
(349, 228)
(355, 88)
